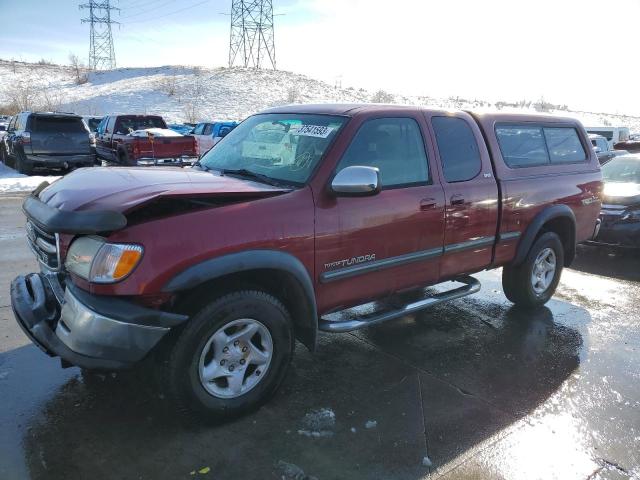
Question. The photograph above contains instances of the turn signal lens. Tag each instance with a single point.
(115, 261)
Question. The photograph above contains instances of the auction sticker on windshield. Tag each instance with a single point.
(318, 131)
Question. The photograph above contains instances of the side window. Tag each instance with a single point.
(12, 125)
(110, 124)
(564, 145)
(208, 129)
(602, 143)
(199, 129)
(19, 122)
(458, 149)
(522, 146)
(395, 146)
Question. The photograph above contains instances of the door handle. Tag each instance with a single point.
(456, 199)
(428, 203)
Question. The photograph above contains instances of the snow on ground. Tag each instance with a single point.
(12, 181)
(182, 93)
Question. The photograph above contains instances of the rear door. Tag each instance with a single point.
(471, 194)
(58, 135)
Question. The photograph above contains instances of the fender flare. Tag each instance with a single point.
(550, 213)
(195, 275)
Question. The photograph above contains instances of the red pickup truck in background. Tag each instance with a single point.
(214, 271)
(143, 140)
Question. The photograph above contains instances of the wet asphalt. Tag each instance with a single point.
(472, 389)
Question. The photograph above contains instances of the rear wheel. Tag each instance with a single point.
(231, 357)
(22, 165)
(534, 282)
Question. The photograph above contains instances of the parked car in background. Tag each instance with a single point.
(143, 140)
(92, 122)
(603, 148)
(182, 128)
(620, 215)
(46, 140)
(612, 134)
(630, 146)
(207, 134)
(225, 264)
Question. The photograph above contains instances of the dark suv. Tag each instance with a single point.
(47, 140)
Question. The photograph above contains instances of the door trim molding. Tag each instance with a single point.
(378, 265)
(470, 244)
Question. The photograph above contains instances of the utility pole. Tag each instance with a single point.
(102, 56)
(252, 41)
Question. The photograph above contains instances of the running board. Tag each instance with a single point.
(337, 326)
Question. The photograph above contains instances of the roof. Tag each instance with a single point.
(351, 109)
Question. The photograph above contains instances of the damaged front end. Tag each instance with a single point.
(90, 331)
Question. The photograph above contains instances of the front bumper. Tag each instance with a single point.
(61, 161)
(618, 235)
(93, 332)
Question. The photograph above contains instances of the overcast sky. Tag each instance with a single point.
(579, 52)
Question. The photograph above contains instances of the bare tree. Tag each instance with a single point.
(79, 69)
(293, 94)
(382, 97)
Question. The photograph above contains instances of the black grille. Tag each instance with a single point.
(44, 245)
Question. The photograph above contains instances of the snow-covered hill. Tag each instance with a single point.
(191, 94)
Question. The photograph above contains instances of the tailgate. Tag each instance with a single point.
(57, 135)
(167, 147)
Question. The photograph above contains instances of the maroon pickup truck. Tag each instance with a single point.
(302, 211)
(133, 140)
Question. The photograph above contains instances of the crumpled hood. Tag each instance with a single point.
(618, 193)
(121, 189)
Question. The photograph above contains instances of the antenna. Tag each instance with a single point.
(102, 56)
(252, 41)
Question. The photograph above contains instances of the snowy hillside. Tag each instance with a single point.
(191, 94)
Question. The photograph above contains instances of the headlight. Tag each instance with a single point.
(100, 262)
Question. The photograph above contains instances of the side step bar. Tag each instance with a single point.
(471, 286)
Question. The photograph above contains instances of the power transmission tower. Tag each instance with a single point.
(252, 42)
(101, 53)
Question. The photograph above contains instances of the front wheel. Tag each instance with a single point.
(534, 282)
(231, 357)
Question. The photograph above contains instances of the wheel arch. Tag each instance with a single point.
(559, 219)
(278, 273)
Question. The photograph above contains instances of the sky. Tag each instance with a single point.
(582, 53)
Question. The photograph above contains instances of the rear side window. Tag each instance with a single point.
(530, 146)
(57, 125)
(522, 146)
(564, 145)
(208, 130)
(394, 146)
(199, 129)
(458, 149)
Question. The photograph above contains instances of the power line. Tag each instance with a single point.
(170, 13)
(101, 52)
(252, 39)
(153, 9)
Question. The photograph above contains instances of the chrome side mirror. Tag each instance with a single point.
(356, 181)
(597, 149)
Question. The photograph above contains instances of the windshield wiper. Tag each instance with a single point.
(243, 172)
(201, 166)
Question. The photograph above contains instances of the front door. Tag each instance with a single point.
(367, 247)
(471, 195)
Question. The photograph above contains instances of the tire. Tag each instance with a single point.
(21, 164)
(518, 282)
(196, 350)
(123, 159)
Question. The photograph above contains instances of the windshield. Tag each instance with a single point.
(284, 147)
(622, 169)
